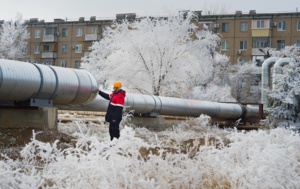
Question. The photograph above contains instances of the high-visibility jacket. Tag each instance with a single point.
(115, 106)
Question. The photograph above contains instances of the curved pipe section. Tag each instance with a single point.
(266, 73)
(22, 81)
(265, 78)
(278, 68)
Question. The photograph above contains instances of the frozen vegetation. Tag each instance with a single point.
(168, 57)
(192, 154)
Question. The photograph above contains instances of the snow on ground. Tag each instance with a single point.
(192, 154)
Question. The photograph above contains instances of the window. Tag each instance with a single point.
(260, 24)
(79, 32)
(37, 33)
(37, 49)
(298, 26)
(63, 63)
(91, 30)
(49, 31)
(47, 48)
(77, 64)
(87, 46)
(64, 32)
(244, 26)
(224, 45)
(78, 48)
(298, 44)
(261, 42)
(281, 26)
(64, 49)
(243, 45)
(280, 44)
(225, 27)
(24, 50)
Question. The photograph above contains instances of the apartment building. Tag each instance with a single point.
(62, 43)
(246, 37)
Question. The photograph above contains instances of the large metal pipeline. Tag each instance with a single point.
(154, 105)
(74, 89)
(23, 81)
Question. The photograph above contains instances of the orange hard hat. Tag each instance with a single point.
(117, 84)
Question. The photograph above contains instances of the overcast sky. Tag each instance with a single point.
(73, 9)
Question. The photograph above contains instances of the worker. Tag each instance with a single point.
(115, 108)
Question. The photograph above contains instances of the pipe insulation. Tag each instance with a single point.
(22, 81)
(278, 68)
(265, 78)
(148, 104)
(75, 89)
(266, 75)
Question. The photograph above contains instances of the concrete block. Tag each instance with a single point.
(44, 118)
(151, 123)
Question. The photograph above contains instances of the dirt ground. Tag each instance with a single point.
(16, 139)
(20, 137)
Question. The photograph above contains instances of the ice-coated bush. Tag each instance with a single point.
(193, 154)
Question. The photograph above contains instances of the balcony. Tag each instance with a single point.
(91, 37)
(49, 38)
(261, 32)
(50, 54)
(261, 28)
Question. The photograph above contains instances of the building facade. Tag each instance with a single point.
(245, 37)
(62, 43)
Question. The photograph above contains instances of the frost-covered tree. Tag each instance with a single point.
(241, 77)
(284, 99)
(159, 56)
(216, 87)
(13, 38)
(288, 51)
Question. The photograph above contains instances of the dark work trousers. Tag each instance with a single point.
(114, 130)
